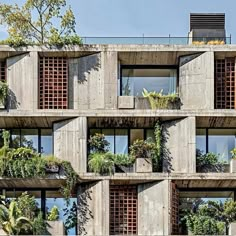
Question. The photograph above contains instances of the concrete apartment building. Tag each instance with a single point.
(60, 96)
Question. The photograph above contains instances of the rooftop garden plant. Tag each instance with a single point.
(35, 23)
(158, 100)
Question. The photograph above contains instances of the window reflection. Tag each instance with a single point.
(29, 138)
(121, 141)
(15, 138)
(135, 80)
(54, 198)
(201, 140)
(46, 142)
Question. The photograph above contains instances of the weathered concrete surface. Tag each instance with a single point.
(95, 81)
(196, 82)
(22, 78)
(153, 208)
(126, 102)
(56, 227)
(180, 155)
(70, 142)
(93, 209)
(143, 165)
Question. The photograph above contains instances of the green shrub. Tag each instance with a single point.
(98, 143)
(53, 214)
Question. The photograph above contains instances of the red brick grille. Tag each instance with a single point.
(3, 71)
(53, 83)
(123, 210)
(225, 83)
(174, 209)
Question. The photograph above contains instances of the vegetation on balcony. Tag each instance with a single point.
(208, 218)
(158, 100)
(104, 162)
(211, 42)
(53, 214)
(101, 160)
(22, 216)
(33, 23)
(26, 163)
(209, 162)
(3, 92)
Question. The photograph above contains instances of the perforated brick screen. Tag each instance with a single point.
(53, 83)
(3, 76)
(174, 209)
(123, 210)
(225, 83)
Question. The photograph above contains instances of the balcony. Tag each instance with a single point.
(158, 40)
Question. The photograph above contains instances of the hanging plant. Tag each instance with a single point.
(3, 92)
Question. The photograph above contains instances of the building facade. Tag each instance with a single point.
(58, 98)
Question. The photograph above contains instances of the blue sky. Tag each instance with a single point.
(138, 17)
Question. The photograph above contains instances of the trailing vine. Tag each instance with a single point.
(159, 144)
(3, 91)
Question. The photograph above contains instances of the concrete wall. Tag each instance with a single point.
(22, 78)
(153, 208)
(93, 209)
(196, 82)
(180, 155)
(94, 79)
(70, 142)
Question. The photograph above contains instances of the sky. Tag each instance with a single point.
(159, 18)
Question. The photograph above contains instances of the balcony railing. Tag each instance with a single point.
(158, 40)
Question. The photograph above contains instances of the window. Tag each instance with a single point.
(3, 71)
(134, 80)
(121, 139)
(40, 140)
(53, 83)
(218, 141)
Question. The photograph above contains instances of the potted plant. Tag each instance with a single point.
(143, 152)
(3, 94)
(233, 161)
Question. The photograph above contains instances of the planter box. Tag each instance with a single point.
(124, 169)
(143, 165)
(2, 106)
(233, 166)
(56, 227)
(143, 103)
(126, 102)
(52, 169)
(232, 228)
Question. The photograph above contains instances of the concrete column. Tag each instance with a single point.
(196, 82)
(22, 78)
(180, 137)
(153, 208)
(93, 208)
(70, 142)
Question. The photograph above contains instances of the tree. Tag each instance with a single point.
(12, 221)
(34, 23)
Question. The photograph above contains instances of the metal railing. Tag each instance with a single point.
(158, 40)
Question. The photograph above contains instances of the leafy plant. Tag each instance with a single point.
(3, 92)
(102, 163)
(160, 101)
(98, 143)
(40, 225)
(233, 152)
(53, 214)
(209, 162)
(12, 220)
(122, 160)
(142, 149)
(71, 217)
(34, 23)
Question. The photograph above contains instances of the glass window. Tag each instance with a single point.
(222, 141)
(121, 141)
(136, 134)
(109, 136)
(201, 140)
(150, 135)
(135, 80)
(29, 138)
(46, 142)
(54, 198)
(15, 138)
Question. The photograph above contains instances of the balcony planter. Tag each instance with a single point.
(233, 165)
(124, 169)
(52, 169)
(143, 165)
(56, 227)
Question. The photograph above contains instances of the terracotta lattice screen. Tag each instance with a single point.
(53, 83)
(174, 209)
(225, 84)
(3, 71)
(123, 210)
